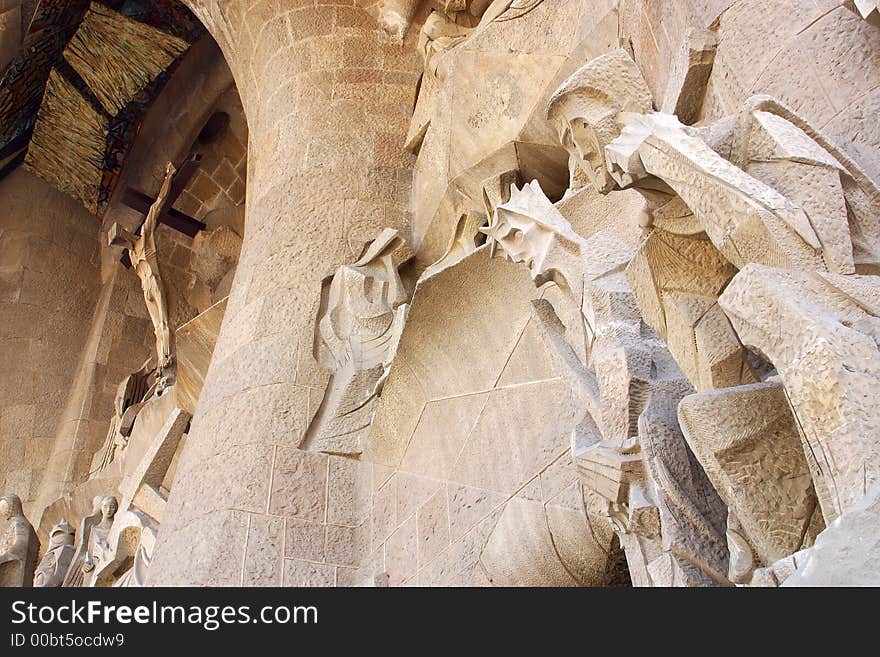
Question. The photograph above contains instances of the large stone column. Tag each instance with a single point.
(328, 98)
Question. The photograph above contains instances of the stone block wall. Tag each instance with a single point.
(49, 284)
(221, 178)
(328, 101)
(118, 341)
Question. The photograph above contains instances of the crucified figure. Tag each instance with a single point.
(145, 260)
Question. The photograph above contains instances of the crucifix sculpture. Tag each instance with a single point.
(183, 223)
(142, 254)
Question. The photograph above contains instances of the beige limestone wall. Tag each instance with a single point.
(327, 99)
(118, 340)
(49, 284)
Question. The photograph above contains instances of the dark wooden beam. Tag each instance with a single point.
(177, 220)
(174, 218)
(182, 177)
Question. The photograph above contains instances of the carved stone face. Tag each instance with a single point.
(586, 110)
(526, 241)
(529, 229)
(109, 506)
(10, 506)
(585, 143)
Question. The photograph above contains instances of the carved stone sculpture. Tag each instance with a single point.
(56, 562)
(746, 219)
(439, 34)
(867, 9)
(75, 574)
(628, 447)
(718, 197)
(357, 334)
(452, 24)
(464, 241)
(20, 545)
(748, 442)
(676, 280)
(145, 260)
(760, 187)
(473, 8)
(587, 107)
(395, 17)
(510, 10)
(845, 554)
(130, 540)
(142, 482)
(689, 75)
(92, 545)
(130, 395)
(671, 379)
(828, 360)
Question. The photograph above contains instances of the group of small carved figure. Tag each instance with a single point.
(70, 559)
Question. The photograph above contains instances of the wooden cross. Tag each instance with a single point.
(177, 220)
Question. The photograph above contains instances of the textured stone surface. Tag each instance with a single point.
(343, 146)
(49, 282)
(195, 344)
(651, 362)
(829, 362)
(748, 441)
(846, 553)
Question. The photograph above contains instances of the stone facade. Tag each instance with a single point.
(473, 293)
